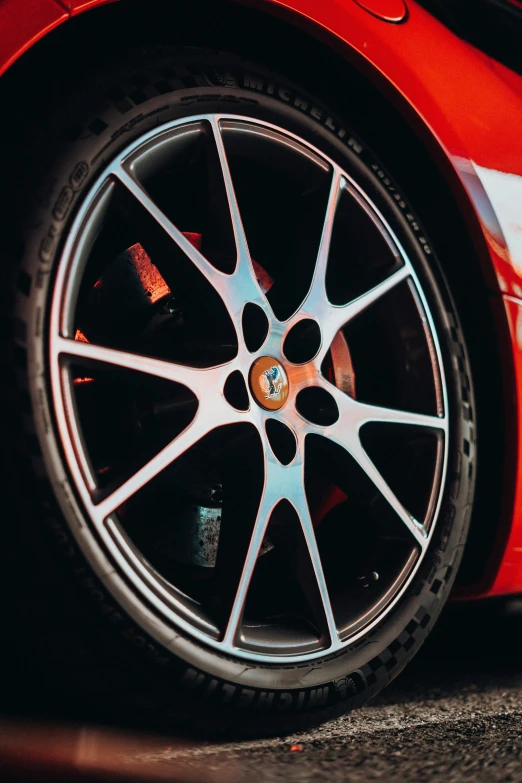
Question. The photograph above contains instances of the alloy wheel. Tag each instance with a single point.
(253, 413)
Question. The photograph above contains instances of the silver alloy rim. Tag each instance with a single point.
(281, 482)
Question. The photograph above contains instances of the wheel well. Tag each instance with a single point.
(32, 87)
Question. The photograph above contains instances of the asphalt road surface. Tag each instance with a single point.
(455, 714)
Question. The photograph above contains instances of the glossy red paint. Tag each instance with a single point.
(79, 6)
(466, 107)
(508, 578)
(21, 28)
(387, 10)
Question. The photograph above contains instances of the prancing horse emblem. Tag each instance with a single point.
(270, 382)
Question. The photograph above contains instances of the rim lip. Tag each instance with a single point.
(106, 540)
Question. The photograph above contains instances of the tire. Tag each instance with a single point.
(78, 626)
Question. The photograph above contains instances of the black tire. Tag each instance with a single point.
(73, 639)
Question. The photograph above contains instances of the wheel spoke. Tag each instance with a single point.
(345, 432)
(316, 298)
(246, 287)
(269, 499)
(203, 422)
(367, 413)
(334, 317)
(206, 383)
(201, 381)
(316, 304)
(282, 483)
(354, 414)
(217, 279)
(322, 596)
(416, 528)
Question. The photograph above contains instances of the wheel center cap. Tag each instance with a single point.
(268, 383)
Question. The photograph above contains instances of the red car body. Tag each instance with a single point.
(467, 108)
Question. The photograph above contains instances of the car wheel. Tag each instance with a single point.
(245, 401)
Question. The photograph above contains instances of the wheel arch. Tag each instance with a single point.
(324, 64)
